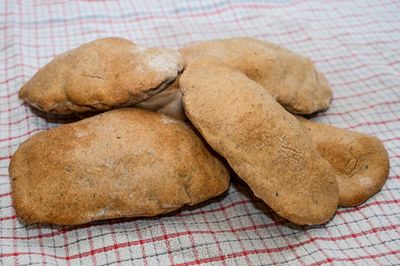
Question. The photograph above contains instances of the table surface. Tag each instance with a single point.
(355, 44)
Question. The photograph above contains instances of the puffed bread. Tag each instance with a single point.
(289, 77)
(265, 145)
(123, 163)
(361, 161)
(101, 75)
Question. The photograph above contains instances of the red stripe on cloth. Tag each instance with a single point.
(174, 235)
(5, 195)
(274, 224)
(258, 251)
(330, 260)
(20, 136)
(364, 108)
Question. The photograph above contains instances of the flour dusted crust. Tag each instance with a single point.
(122, 163)
(361, 161)
(265, 145)
(100, 75)
(290, 78)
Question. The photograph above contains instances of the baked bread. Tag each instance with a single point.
(265, 145)
(122, 163)
(290, 78)
(101, 75)
(361, 161)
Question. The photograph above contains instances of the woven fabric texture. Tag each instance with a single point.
(354, 43)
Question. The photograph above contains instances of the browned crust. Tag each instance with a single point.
(264, 145)
(122, 163)
(101, 75)
(361, 161)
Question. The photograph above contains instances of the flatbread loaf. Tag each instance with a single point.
(361, 161)
(290, 78)
(265, 145)
(122, 163)
(101, 75)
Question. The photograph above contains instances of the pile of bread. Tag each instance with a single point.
(167, 128)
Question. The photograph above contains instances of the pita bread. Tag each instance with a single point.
(101, 75)
(265, 145)
(122, 163)
(290, 78)
(360, 160)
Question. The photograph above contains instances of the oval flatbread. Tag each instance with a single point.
(122, 163)
(361, 161)
(290, 78)
(101, 75)
(265, 145)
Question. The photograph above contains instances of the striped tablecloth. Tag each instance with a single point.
(356, 44)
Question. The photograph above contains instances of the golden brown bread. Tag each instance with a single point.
(101, 75)
(265, 145)
(289, 77)
(123, 163)
(361, 161)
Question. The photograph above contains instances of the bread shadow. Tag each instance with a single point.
(175, 213)
(56, 118)
(240, 186)
(313, 115)
(257, 203)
